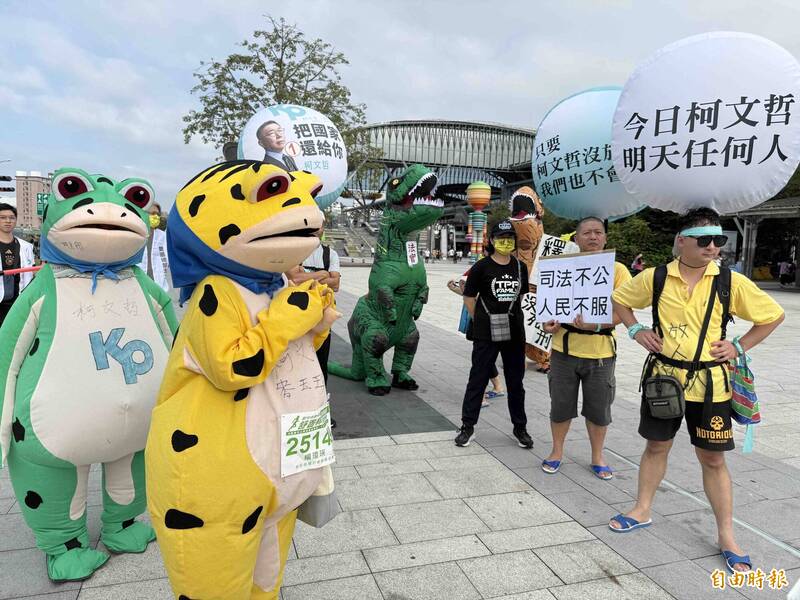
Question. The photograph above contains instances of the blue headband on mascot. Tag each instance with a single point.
(190, 261)
(51, 254)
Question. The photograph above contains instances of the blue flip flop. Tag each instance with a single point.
(732, 559)
(602, 469)
(628, 524)
(552, 465)
(492, 395)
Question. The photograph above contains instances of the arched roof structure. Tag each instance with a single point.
(459, 151)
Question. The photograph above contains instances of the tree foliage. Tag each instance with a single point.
(635, 235)
(279, 65)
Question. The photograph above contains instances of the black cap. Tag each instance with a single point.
(502, 228)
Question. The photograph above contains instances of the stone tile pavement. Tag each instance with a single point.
(426, 520)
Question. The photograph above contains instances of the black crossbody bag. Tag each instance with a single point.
(664, 394)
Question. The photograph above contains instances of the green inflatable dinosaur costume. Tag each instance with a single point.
(398, 287)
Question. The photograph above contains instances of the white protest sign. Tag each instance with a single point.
(411, 253)
(535, 335)
(306, 441)
(551, 245)
(709, 121)
(567, 286)
(159, 259)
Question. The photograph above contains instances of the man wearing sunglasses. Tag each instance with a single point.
(677, 350)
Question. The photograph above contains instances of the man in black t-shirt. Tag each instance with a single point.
(495, 286)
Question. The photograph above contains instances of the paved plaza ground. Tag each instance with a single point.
(424, 520)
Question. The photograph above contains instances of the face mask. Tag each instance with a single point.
(155, 220)
(504, 246)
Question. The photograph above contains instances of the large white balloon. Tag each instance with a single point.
(572, 167)
(297, 138)
(709, 121)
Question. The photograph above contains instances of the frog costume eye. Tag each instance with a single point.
(275, 185)
(138, 193)
(70, 184)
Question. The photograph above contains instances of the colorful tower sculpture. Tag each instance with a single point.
(478, 195)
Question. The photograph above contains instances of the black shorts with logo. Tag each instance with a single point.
(715, 435)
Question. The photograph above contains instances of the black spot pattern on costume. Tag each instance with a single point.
(105, 180)
(44, 214)
(73, 543)
(128, 523)
(208, 303)
(131, 208)
(34, 347)
(241, 394)
(183, 597)
(194, 205)
(290, 202)
(306, 172)
(228, 232)
(18, 430)
(33, 500)
(182, 441)
(84, 202)
(298, 299)
(251, 521)
(236, 192)
(249, 367)
(176, 519)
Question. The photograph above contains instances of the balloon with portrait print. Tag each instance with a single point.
(298, 138)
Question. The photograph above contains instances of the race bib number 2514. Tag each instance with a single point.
(306, 441)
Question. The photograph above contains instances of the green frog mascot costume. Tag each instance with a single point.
(84, 348)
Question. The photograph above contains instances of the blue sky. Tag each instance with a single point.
(102, 85)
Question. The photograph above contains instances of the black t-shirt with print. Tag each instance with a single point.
(9, 255)
(497, 285)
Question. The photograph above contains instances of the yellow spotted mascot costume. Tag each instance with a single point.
(243, 358)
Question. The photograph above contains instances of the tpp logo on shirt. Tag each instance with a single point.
(505, 288)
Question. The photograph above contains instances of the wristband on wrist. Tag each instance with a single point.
(634, 329)
(737, 344)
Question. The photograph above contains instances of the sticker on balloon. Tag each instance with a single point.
(297, 138)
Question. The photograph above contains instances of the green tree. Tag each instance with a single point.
(496, 212)
(635, 235)
(279, 65)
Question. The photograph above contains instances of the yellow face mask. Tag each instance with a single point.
(504, 246)
(155, 221)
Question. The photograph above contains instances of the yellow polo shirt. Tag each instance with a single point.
(592, 346)
(682, 316)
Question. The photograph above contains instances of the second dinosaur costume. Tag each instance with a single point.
(526, 218)
(221, 500)
(398, 288)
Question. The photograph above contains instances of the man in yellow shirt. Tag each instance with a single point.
(584, 355)
(682, 309)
